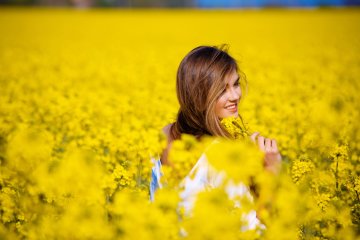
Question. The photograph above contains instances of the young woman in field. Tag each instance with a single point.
(209, 89)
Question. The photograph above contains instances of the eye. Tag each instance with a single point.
(237, 83)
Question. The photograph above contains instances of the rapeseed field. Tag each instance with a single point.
(84, 95)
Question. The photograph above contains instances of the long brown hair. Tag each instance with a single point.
(199, 83)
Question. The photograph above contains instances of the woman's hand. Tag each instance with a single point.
(272, 161)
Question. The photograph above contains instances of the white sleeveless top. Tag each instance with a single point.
(202, 177)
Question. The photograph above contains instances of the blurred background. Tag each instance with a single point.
(185, 3)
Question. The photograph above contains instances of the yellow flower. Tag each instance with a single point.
(235, 127)
(241, 160)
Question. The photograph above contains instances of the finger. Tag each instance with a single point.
(261, 143)
(274, 145)
(253, 136)
(268, 145)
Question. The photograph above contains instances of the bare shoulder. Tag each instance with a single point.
(166, 130)
(164, 156)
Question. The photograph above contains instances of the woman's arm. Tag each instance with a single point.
(272, 163)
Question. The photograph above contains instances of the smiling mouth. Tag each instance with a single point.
(232, 107)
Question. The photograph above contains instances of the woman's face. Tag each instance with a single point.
(227, 104)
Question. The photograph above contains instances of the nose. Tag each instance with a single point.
(234, 94)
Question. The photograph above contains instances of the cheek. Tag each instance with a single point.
(220, 104)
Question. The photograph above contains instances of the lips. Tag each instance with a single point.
(231, 107)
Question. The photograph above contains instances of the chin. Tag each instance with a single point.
(232, 114)
(225, 115)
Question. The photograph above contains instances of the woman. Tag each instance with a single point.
(209, 87)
